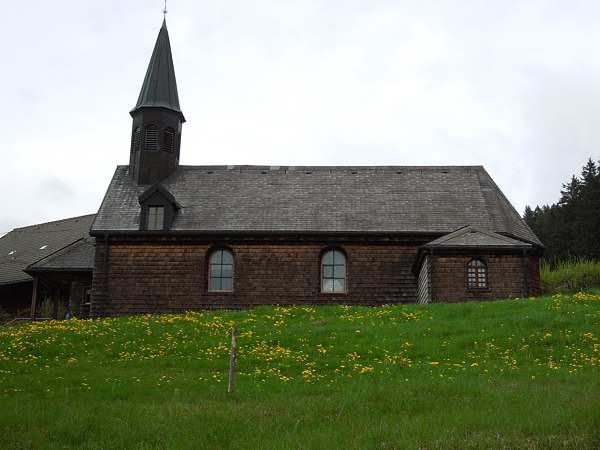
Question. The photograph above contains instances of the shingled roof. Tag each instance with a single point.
(241, 199)
(24, 246)
(76, 257)
(474, 237)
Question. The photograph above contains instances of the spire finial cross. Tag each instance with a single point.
(165, 10)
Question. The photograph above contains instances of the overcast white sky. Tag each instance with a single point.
(514, 86)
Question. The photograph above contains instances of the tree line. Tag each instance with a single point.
(571, 228)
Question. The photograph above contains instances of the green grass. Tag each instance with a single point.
(570, 276)
(506, 374)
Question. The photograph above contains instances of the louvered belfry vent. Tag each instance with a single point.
(168, 140)
(151, 140)
(136, 138)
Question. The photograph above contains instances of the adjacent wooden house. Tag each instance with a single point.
(40, 263)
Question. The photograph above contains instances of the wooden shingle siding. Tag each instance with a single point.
(163, 277)
(505, 277)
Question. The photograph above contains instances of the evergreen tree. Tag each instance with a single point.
(570, 191)
(589, 171)
(571, 227)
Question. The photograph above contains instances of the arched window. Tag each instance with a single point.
(168, 140)
(333, 272)
(220, 271)
(477, 276)
(135, 139)
(151, 138)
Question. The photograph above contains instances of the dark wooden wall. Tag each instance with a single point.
(15, 299)
(171, 277)
(509, 276)
(139, 276)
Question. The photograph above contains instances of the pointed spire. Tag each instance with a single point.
(160, 87)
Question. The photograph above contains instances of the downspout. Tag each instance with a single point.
(430, 274)
(106, 262)
(525, 283)
(34, 297)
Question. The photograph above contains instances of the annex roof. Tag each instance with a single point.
(336, 199)
(475, 237)
(24, 246)
(76, 257)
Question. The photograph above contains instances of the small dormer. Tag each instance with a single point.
(159, 209)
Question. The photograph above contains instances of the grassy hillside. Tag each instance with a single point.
(506, 374)
(570, 275)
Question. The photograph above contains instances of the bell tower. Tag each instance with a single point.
(157, 119)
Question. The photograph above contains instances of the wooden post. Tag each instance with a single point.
(55, 295)
(34, 295)
(232, 361)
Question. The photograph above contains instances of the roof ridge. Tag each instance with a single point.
(316, 167)
(496, 235)
(51, 222)
(54, 253)
(469, 229)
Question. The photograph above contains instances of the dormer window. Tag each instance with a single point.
(168, 140)
(151, 138)
(158, 209)
(155, 218)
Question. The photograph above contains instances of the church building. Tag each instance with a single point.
(171, 238)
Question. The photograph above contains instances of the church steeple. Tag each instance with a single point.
(160, 87)
(157, 118)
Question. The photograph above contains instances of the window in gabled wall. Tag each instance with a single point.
(477, 274)
(220, 271)
(155, 218)
(333, 272)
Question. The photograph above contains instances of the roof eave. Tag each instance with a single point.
(479, 247)
(101, 233)
(162, 107)
(18, 281)
(34, 270)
